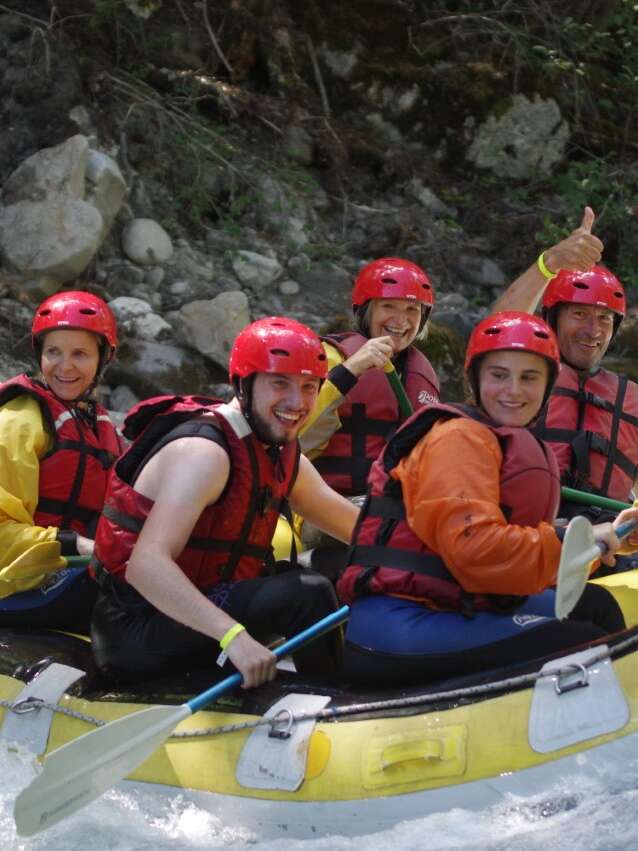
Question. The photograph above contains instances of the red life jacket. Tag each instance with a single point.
(231, 538)
(591, 422)
(369, 416)
(74, 472)
(387, 557)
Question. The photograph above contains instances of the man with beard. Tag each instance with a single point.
(591, 419)
(183, 546)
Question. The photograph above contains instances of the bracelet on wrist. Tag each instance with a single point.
(68, 541)
(542, 268)
(224, 642)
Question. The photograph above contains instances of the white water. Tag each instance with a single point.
(581, 817)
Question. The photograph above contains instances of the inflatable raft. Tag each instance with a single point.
(304, 758)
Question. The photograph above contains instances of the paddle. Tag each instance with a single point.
(585, 498)
(77, 561)
(405, 406)
(578, 552)
(80, 771)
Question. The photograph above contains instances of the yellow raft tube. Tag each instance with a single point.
(395, 756)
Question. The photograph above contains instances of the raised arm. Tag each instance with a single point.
(580, 250)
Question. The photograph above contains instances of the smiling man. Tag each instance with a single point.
(183, 545)
(591, 419)
(592, 416)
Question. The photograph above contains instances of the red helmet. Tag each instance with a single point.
(392, 277)
(513, 331)
(276, 344)
(598, 287)
(76, 309)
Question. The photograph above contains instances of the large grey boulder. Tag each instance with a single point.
(56, 237)
(529, 139)
(153, 369)
(211, 326)
(60, 169)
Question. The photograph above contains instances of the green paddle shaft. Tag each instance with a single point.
(405, 406)
(585, 498)
(77, 561)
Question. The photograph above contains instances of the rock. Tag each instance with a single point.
(527, 140)
(136, 317)
(122, 398)
(144, 241)
(324, 295)
(256, 270)
(106, 187)
(60, 169)
(56, 238)
(82, 118)
(289, 287)
(480, 270)
(211, 326)
(142, 8)
(154, 277)
(429, 200)
(341, 63)
(153, 369)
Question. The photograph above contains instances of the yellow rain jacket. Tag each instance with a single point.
(27, 552)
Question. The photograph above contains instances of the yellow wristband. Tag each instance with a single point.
(228, 636)
(543, 268)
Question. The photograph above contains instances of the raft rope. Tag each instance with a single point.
(287, 718)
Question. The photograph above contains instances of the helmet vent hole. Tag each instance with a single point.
(45, 312)
(87, 311)
(579, 285)
(280, 352)
(492, 331)
(389, 280)
(541, 334)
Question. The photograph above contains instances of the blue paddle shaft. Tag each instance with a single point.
(290, 646)
(621, 532)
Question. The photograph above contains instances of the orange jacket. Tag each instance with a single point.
(450, 483)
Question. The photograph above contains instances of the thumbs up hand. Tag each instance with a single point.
(579, 251)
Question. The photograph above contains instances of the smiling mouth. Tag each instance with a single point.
(287, 418)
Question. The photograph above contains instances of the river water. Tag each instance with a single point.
(580, 817)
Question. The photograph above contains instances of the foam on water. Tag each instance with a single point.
(580, 816)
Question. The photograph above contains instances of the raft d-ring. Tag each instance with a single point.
(581, 681)
(27, 704)
(284, 716)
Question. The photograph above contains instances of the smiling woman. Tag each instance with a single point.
(56, 447)
(455, 552)
(391, 299)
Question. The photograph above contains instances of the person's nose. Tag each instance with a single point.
(515, 386)
(592, 326)
(294, 397)
(65, 364)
